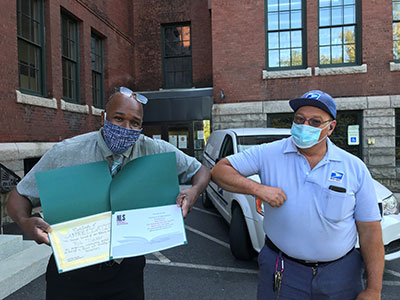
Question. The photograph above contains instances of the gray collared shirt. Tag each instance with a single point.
(90, 147)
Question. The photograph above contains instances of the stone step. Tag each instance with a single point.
(24, 266)
(9, 245)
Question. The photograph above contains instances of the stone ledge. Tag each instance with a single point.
(96, 111)
(15, 151)
(36, 100)
(286, 73)
(394, 66)
(340, 70)
(79, 108)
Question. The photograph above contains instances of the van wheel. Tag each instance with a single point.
(205, 200)
(239, 238)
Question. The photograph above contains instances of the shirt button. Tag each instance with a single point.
(307, 173)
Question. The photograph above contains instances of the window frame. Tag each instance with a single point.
(41, 46)
(357, 36)
(164, 57)
(100, 39)
(66, 16)
(397, 135)
(303, 39)
(398, 40)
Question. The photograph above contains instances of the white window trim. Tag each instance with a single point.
(96, 111)
(36, 100)
(394, 66)
(340, 70)
(286, 73)
(79, 108)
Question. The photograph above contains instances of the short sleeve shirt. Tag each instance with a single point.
(90, 147)
(315, 222)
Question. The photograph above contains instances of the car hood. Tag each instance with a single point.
(382, 192)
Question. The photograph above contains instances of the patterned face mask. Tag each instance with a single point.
(118, 138)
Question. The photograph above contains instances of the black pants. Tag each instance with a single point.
(101, 281)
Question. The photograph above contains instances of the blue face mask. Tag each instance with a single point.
(305, 136)
(118, 138)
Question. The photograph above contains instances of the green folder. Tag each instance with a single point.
(147, 181)
(83, 190)
(74, 192)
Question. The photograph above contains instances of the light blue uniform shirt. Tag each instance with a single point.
(91, 147)
(314, 223)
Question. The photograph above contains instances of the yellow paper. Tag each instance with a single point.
(81, 242)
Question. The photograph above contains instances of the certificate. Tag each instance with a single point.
(81, 242)
(142, 231)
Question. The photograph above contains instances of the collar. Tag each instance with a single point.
(331, 154)
(106, 152)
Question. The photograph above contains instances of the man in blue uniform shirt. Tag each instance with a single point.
(317, 197)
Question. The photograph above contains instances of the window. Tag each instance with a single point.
(31, 46)
(285, 34)
(397, 117)
(70, 58)
(396, 29)
(338, 32)
(226, 148)
(177, 56)
(97, 71)
(280, 120)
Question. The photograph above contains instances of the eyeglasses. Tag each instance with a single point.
(311, 122)
(127, 92)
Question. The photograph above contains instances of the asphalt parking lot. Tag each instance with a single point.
(204, 268)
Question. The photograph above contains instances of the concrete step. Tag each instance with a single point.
(9, 245)
(24, 266)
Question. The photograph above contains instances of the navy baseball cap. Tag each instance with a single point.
(315, 98)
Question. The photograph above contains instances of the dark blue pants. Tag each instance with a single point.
(339, 280)
(101, 281)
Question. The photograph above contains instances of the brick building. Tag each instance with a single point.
(267, 52)
(61, 60)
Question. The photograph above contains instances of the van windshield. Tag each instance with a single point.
(245, 142)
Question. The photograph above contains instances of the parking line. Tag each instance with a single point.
(392, 272)
(211, 238)
(206, 212)
(391, 283)
(202, 267)
(161, 257)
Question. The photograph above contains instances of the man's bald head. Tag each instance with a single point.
(124, 111)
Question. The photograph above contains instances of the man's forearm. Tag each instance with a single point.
(225, 176)
(18, 207)
(373, 253)
(201, 179)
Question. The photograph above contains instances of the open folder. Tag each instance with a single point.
(96, 218)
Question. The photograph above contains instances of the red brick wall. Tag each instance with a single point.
(238, 35)
(27, 123)
(148, 17)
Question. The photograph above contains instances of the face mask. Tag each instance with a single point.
(118, 138)
(305, 136)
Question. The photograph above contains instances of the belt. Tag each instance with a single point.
(306, 263)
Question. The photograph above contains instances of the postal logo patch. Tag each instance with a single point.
(336, 176)
(312, 95)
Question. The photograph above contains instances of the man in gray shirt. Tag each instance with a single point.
(118, 142)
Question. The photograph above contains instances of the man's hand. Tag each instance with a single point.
(186, 199)
(369, 294)
(36, 228)
(274, 196)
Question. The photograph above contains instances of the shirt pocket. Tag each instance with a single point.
(337, 206)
